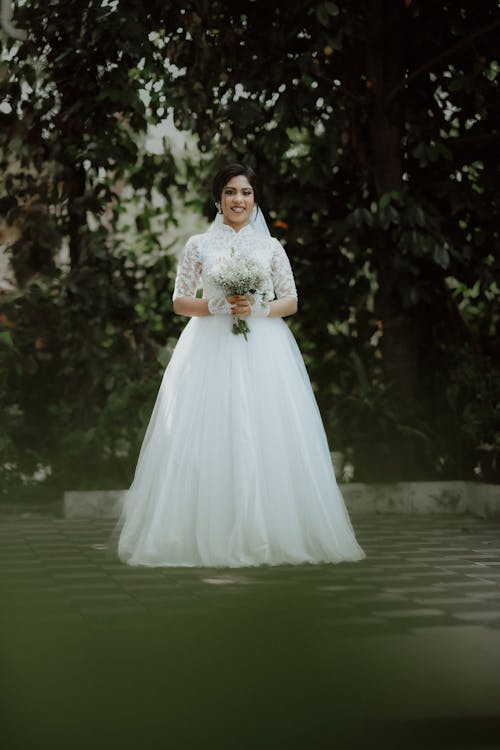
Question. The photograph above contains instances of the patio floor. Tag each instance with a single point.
(401, 650)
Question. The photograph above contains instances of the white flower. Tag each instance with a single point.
(239, 274)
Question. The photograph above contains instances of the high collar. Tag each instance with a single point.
(230, 231)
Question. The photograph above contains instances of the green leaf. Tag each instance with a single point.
(6, 339)
(325, 11)
(419, 216)
(441, 256)
(332, 9)
(164, 355)
(416, 215)
(361, 373)
(445, 151)
(457, 84)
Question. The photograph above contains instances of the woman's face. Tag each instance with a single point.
(237, 202)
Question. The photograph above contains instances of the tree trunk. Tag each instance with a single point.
(400, 340)
(75, 182)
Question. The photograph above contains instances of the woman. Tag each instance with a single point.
(235, 468)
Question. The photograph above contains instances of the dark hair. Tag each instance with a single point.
(234, 170)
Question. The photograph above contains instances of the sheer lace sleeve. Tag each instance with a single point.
(281, 272)
(189, 271)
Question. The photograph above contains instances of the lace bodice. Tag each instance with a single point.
(204, 251)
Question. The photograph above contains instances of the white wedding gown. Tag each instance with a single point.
(235, 468)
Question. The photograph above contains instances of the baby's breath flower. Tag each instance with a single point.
(240, 274)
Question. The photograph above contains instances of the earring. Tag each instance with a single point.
(217, 206)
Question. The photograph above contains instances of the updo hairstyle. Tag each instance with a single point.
(227, 173)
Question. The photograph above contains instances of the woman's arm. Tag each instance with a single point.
(193, 307)
(243, 305)
(284, 284)
(282, 307)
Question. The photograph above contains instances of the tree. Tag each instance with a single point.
(373, 127)
(80, 344)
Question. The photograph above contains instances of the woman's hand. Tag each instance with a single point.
(240, 303)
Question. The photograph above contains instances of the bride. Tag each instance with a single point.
(235, 468)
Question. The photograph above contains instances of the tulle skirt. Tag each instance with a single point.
(235, 468)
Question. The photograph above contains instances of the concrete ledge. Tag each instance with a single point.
(478, 499)
(93, 503)
(458, 497)
(483, 499)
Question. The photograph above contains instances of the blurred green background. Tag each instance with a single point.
(374, 129)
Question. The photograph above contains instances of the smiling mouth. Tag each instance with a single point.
(238, 209)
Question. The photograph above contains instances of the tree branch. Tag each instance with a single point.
(473, 138)
(6, 18)
(358, 98)
(438, 58)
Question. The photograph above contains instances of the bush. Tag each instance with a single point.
(81, 361)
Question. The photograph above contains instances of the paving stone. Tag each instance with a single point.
(58, 618)
(479, 615)
(82, 587)
(445, 601)
(410, 613)
(494, 594)
(94, 596)
(20, 562)
(114, 609)
(346, 587)
(416, 589)
(74, 579)
(467, 583)
(139, 578)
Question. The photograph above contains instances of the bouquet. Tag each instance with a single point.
(240, 274)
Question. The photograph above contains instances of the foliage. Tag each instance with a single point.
(373, 126)
(79, 403)
(85, 340)
(386, 191)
